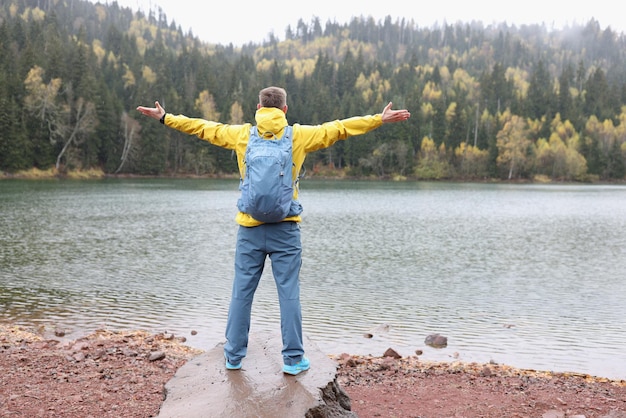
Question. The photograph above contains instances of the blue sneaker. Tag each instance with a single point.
(301, 366)
(231, 366)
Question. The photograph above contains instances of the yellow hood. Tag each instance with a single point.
(270, 119)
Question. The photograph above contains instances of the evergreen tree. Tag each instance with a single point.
(565, 101)
(540, 99)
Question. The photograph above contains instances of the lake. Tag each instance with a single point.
(527, 275)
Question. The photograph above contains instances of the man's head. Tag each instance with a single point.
(273, 97)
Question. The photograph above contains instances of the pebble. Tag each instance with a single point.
(156, 355)
(392, 353)
(436, 341)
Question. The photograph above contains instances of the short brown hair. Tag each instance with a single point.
(273, 97)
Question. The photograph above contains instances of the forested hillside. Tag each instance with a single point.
(491, 101)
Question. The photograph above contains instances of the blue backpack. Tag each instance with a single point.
(267, 186)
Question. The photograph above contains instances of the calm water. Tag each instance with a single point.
(528, 275)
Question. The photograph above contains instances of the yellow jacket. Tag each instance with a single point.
(306, 138)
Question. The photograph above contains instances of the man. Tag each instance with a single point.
(280, 240)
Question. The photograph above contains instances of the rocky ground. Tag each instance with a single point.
(122, 374)
(407, 387)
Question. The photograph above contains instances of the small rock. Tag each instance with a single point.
(194, 332)
(129, 353)
(347, 359)
(436, 341)
(392, 353)
(368, 335)
(59, 332)
(419, 352)
(78, 357)
(156, 355)
(98, 354)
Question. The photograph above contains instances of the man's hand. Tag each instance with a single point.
(156, 112)
(390, 115)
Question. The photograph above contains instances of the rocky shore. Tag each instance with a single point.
(123, 374)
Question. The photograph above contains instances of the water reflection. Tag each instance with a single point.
(526, 275)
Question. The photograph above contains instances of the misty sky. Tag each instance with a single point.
(225, 22)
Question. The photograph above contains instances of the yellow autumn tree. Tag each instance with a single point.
(431, 92)
(236, 114)
(603, 132)
(206, 106)
(604, 138)
(472, 161)
(463, 81)
(42, 98)
(433, 162)
(67, 121)
(569, 164)
(148, 75)
(427, 110)
(513, 145)
(373, 87)
(128, 77)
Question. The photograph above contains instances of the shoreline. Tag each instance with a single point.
(124, 373)
(12, 334)
(337, 175)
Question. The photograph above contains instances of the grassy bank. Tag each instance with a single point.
(53, 173)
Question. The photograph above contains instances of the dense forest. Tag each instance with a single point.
(487, 102)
